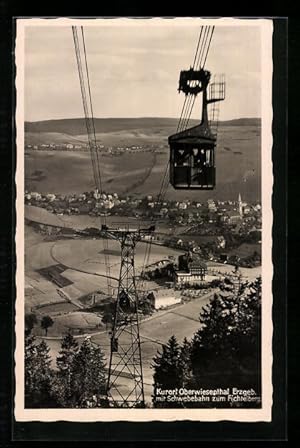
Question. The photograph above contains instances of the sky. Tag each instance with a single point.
(134, 70)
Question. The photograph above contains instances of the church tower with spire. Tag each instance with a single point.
(240, 205)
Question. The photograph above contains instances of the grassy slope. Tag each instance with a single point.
(237, 159)
(76, 126)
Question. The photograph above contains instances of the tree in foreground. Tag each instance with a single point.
(226, 350)
(168, 370)
(185, 360)
(62, 383)
(88, 380)
(38, 374)
(46, 322)
(30, 322)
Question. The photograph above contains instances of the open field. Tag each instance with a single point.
(157, 330)
(246, 250)
(248, 273)
(80, 222)
(87, 255)
(146, 125)
(76, 321)
(84, 264)
(76, 126)
(32, 237)
(70, 172)
(57, 308)
(237, 160)
(181, 321)
(40, 291)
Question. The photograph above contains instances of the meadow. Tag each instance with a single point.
(238, 160)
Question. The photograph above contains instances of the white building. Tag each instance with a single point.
(162, 298)
(191, 270)
(182, 206)
(36, 196)
(51, 197)
(240, 205)
(183, 278)
(211, 205)
(97, 195)
(108, 205)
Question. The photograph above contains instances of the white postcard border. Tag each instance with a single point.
(107, 415)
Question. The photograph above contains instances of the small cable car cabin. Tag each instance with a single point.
(192, 159)
(192, 151)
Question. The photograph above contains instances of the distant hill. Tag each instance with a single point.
(76, 126)
(242, 122)
(238, 158)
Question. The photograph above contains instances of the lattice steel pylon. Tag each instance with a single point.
(125, 388)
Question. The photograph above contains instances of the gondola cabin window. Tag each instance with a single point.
(192, 167)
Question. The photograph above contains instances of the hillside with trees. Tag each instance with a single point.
(224, 353)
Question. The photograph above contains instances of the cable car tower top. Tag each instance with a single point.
(192, 158)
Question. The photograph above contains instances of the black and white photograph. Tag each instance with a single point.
(144, 186)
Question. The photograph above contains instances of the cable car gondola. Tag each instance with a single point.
(192, 150)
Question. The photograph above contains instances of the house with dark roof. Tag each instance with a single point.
(191, 269)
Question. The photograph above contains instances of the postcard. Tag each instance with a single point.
(144, 219)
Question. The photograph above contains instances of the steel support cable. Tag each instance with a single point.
(198, 66)
(197, 48)
(190, 113)
(211, 35)
(182, 124)
(105, 241)
(149, 245)
(96, 172)
(84, 101)
(91, 131)
(92, 113)
(191, 105)
(191, 101)
(202, 64)
(89, 121)
(183, 113)
(205, 50)
(160, 199)
(184, 121)
(187, 108)
(165, 189)
(85, 106)
(204, 41)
